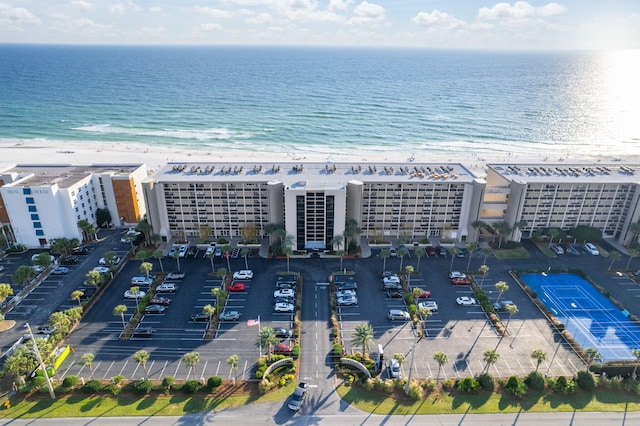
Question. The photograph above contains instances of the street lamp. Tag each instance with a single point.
(42, 366)
(413, 352)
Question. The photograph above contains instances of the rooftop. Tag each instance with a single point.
(320, 173)
(64, 175)
(569, 173)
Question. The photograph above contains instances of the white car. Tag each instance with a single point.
(134, 295)
(103, 261)
(183, 250)
(393, 252)
(465, 301)
(456, 274)
(592, 249)
(285, 292)
(345, 293)
(391, 279)
(35, 256)
(130, 234)
(429, 305)
(283, 307)
(38, 268)
(102, 269)
(166, 288)
(229, 316)
(245, 274)
(347, 301)
(210, 250)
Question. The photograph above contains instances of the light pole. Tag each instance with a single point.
(413, 352)
(42, 366)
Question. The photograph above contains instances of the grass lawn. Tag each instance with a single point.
(484, 402)
(516, 253)
(83, 405)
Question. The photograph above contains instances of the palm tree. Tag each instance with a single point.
(226, 252)
(384, 254)
(363, 336)
(351, 230)
(245, 254)
(60, 321)
(501, 286)
(146, 267)
(632, 253)
(400, 357)
(519, 225)
(211, 255)
(453, 251)
(554, 233)
(191, 359)
(266, 339)
(141, 357)
(484, 269)
(287, 247)
(636, 353)
(216, 293)
(490, 357)
(77, 295)
(486, 252)
(176, 256)
(86, 360)
(94, 278)
(420, 252)
(615, 256)
(111, 258)
(222, 273)
(540, 356)
(5, 291)
(120, 310)
(209, 310)
(441, 358)
(336, 241)
(144, 227)
(408, 271)
(232, 362)
(158, 254)
(401, 254)
(340, 254)
(478, 225)
(271, 229)
(503, 229)
(593, 355)
(512, 309)
(86, 228)
(471, 247)
(23, 274)
(135, 290)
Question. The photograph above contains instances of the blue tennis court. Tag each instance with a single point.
(589, 316)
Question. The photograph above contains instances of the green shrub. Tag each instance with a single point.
(70, 381)
(337, 349)
(448, 384)
(487, 382)
(535, 380)
(93, 386)
(117, 380)
(586, 381)
(168, 382)
(39, 382)
(516, 386)
(430, 385)
(191, 386)
(563, 385)
(213, 382)
(469, 385)
(415, 391)
(113, 389)
(265, 386)
(295, 351)
(142, 387)
(412, 308)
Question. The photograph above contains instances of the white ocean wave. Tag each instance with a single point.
(200, 135)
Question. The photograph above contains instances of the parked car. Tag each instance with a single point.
(285, 292)
(182, 250)
(200, 317)
(102, 269)
(457, 274)
(35, 257)
(391, 279)
(424, 294)
(441, 251)
(159, 300)
(345, 293)
(38, 268)
(134, 295)
(87, 292)
(46, 329)
(462, 252)
(391, 286)
(386, 274)
(172, 251)
(166, 288)
(154, 309)
(60, 270)
(398, 315)
(393, 252)
(431, 251)
(80, 250)
(298, 396)
(282, 285)
(556, 248)
(103, 261)
(210, 250)
(282, 348)
(283, 332)
(349, 285)
(217, 252)
(394, 368)
(141, 281)
(395, 294)
(69, 260)
(288, 300)
(460, 281)
(283, 307)
(237, 287)
(592, 249)
(174, 276)
(347, 300)
(502, 305)
(142, 332)
(429, 305)
(130, 235)
(244, 274)
(290, 277)
(465, 301)
(229, 316)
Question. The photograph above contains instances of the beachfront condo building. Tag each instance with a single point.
(45, 201)
(313, 201)
(563, 196)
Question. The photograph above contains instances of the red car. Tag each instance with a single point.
(460, 281)
(425, 294)
(158, 300)
(282, 348)
(237, 287)
(431, 251)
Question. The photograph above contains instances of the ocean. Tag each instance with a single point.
(325, 101)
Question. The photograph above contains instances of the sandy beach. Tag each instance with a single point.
(154, 157)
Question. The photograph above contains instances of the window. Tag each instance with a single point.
(26, 191)
(35, 216)
(37, 225)
(32, 209)
(30, 200)
(39, 233)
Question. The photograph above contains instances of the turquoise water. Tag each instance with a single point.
(315, 100)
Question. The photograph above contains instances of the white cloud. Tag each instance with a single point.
(366, 13)
(17, 16)
(81, 4)
(520, 10)
(77, 26)
(441, 20)
(155, 9)
(216, 13)
(338, 5)
(120, 8)
(210, 27)
(260, 18)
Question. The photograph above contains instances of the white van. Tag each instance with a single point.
(141, 281)
(398, 315)
(591, 249)
(556, 248)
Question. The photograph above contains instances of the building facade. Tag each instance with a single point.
(43, 202)
(313, 201)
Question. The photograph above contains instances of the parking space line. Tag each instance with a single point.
(175, 374)
(162, 371)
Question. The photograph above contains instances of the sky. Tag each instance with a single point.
(448, 24)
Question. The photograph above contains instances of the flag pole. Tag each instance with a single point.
(259, 328)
